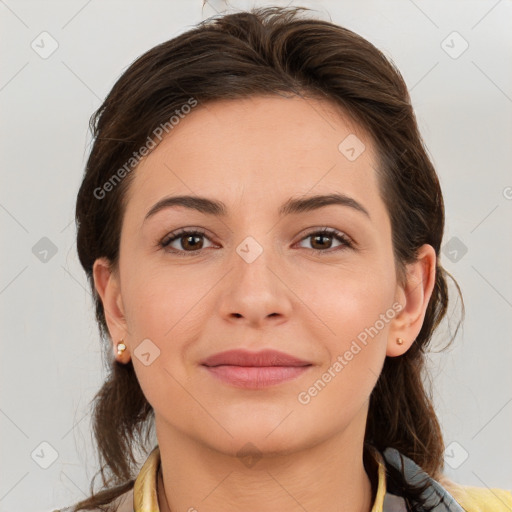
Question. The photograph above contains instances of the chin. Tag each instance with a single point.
(262, 437)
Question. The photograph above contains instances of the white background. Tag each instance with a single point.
(51, 362)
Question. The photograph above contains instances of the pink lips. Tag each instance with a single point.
(255, 370)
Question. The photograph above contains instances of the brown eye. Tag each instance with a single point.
(184, 241)
(323, 240)
(191, 242)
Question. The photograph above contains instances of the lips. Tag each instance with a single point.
(245, 358)
(255, 370)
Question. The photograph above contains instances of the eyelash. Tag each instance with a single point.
(338, 235)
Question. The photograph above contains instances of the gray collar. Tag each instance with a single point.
(437, 498)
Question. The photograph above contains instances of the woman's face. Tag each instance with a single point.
(258, 276)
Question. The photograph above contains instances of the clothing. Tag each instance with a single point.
(452, 497)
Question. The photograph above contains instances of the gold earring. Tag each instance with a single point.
(400, 341)
(120, 347)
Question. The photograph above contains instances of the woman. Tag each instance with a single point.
(260, 224)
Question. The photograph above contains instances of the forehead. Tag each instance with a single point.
(259, 149)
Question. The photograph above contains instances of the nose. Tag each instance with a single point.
(255, 290)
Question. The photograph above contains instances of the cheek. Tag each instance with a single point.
(354, 313)
(158, 300)
(161, 312)
(347, 301)
(357, 313)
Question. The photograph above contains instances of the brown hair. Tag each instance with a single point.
(265, 51)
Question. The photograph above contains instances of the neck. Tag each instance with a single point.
(329, 476)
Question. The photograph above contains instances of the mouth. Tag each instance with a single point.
(263, 358)
(255, 370)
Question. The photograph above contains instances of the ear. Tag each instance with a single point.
(106, 282)
(414, 296)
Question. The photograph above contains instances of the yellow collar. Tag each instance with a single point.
(145, 496)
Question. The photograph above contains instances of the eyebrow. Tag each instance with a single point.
(292, 206)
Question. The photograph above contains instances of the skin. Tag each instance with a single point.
(254, 155)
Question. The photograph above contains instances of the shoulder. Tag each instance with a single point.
(479, 499)
(124, 503)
